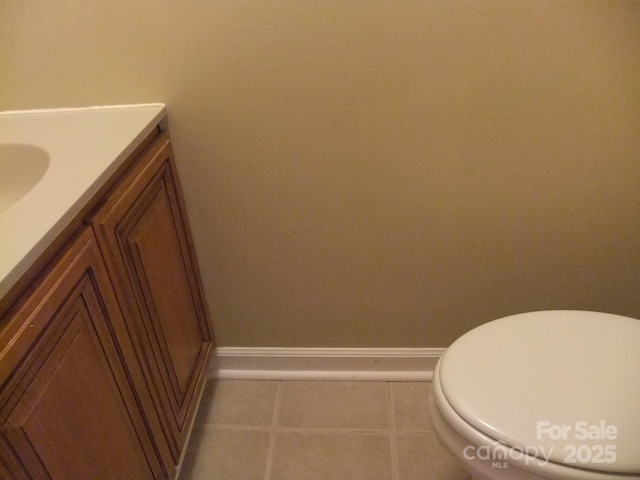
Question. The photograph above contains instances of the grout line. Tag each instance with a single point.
(240, 428)
(276, 408)
(390, 407)
(340, 431)
(318, 430)
(273, 430)
(393, 438)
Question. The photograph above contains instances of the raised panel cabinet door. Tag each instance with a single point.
(143, 233)
(66, 409)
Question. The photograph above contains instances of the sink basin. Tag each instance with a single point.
(22, 166)
(52, 162)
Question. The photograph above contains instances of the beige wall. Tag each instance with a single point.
(372, 172)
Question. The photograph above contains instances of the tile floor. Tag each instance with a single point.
(314, 430)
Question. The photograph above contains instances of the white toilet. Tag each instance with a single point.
(543, 395)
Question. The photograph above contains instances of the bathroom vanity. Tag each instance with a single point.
(104, 333)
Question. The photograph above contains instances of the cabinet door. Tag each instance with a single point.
(143, 233)
(67, 411)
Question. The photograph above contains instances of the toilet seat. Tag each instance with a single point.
(524, 355)
(457, 435)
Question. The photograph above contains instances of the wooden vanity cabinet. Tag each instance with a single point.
(67, 409)
(144, 236)
(103, 359)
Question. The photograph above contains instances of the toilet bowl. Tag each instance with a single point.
(543, 395)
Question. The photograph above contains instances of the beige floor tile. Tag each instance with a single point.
(238, 402)
(310, 456)
(421, 457)
(410, 405)
(354, 405)
(216, 454)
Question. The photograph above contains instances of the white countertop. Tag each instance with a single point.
(85, 147)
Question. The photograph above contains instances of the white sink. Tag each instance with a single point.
(52, 162)
(22, 166)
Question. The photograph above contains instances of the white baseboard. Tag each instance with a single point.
(379, 364)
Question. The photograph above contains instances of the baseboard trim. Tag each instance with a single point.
(372, 364)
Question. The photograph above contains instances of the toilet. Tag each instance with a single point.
(542, 395)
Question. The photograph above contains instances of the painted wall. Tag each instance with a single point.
(367, 172)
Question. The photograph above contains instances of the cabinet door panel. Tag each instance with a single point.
(175, 320)
(67, 411)
(143, 233)
(65, 407)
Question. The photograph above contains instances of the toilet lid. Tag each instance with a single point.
(559, 385)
